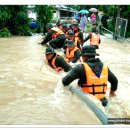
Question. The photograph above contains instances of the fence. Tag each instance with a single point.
(120, 29)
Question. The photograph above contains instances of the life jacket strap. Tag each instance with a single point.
(97, 93)
(99, 85)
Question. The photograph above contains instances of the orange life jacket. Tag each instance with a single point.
(70, 56)
(60, 27)
(54, 66)
(66, 34)
(57, 32)
(94, 40)
(96, 86)
(77, 39)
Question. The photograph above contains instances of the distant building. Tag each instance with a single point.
(31, 12)
(63, 12)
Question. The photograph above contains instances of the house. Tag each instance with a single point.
(62, 11)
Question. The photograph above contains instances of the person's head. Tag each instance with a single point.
(49, 52)
(65, 28)
(70, 44)
(71, 35)
(95, 24)
(59, 20)
(49, 26)
(76, 27)
(74, 21)
(82, 15)
(71, 27)
(88, 52)
(94, 30)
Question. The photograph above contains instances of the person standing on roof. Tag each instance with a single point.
(92, 75)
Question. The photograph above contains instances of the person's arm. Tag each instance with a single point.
(80, 35)
(114, 82)
(76, 56)
(76, 73)
(88, 37)
(99, 40)
(47, 38)
(60, 62)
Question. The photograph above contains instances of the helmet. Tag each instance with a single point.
(49, 50)
(89, 50)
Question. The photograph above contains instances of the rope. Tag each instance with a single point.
(101, 116)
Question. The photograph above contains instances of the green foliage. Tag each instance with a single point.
(15, 18)
(4, 16)
(4, 13)
(45, 14)
(113, 11)
(19, 22)
(89, 27)
(5, 33)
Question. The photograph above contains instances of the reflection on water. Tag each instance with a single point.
(32, 93)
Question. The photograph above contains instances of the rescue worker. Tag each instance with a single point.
(56, 61)
(69, 37)
(66, 30)
(54, 38)
(94, 37)
(59, 25)
(93, 75)
(58, 22)
(95, 26)
(71, 27)
(72, 52)
(78, 36)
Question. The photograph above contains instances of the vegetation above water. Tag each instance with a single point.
(14, 18)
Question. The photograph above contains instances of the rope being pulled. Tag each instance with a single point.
(101, 116)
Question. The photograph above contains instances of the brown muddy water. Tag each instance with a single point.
(31, 92)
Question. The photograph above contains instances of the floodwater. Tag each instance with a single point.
(31, 92)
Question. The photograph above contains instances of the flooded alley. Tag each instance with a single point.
(31, 92)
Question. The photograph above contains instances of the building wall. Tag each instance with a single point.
(58, 13)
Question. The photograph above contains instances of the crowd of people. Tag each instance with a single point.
(91, 73)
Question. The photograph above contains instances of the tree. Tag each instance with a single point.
(14, 20)
(19, 22)
(4, 16)
(44, 14)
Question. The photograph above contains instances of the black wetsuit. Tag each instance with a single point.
(60, 62)
(78, 72)
(55, 43)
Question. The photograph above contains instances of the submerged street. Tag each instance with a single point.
(31, 92)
